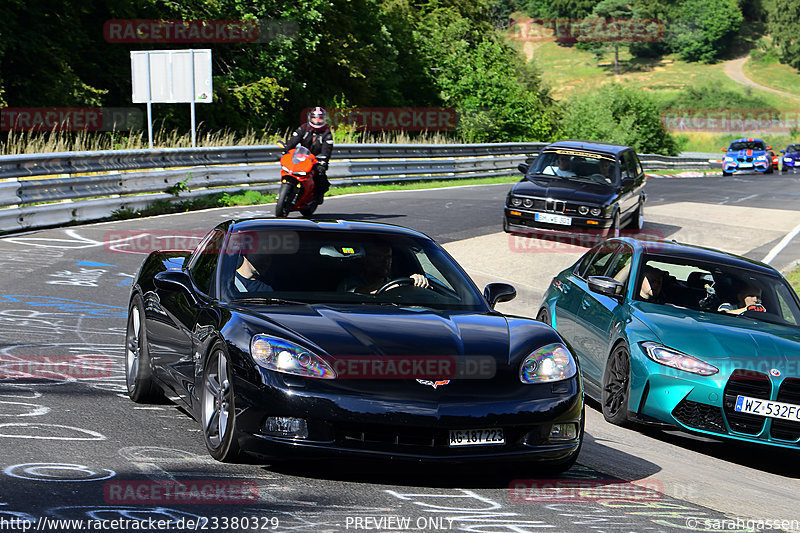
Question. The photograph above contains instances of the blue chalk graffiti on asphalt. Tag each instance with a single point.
(70, 306)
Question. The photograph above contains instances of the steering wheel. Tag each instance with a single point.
(433, 284)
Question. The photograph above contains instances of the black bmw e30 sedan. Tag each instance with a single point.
(578, 186)
(287, 337)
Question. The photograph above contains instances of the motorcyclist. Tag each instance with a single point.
(317, 136)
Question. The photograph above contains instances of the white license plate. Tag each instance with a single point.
(476, 437)
(745, 165)
(785, 411)
(552, 219)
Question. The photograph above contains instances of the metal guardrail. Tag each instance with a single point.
(41, 190)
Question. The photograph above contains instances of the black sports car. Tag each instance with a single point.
(293, 336)
(578, 186)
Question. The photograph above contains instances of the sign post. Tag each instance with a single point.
(171, 76)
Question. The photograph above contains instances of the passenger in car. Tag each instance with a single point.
(652, 283)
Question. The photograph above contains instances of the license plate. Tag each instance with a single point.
(784, 411)
(745, 165)
(552, 219)
(476, 437)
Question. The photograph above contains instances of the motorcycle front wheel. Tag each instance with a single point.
(284, 203)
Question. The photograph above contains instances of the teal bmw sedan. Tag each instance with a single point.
(683, 336)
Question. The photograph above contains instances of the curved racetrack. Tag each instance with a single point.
(79, 449)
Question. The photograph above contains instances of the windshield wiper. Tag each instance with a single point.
(268, 300)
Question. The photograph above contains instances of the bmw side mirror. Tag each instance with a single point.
(724, 149)
(175, 280)
(523, 167)
(605, 285)
(499, 292)
(783, 151)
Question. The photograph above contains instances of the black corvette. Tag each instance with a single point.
(578, 186)
(276, 337)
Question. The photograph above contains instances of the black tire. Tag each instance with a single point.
(505, 224)
(217, 407)
(637, 220)
(138, 373)
(308, 210)
(770, 169)
(284, 204)
(616, 386)
(543, 316)
(726, 173)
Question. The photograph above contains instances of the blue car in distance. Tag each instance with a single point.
(791, 157)
(747, 155)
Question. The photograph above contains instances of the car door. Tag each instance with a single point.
(176, 361)
(569, 296)
(598, 313)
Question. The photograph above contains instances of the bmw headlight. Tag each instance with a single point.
(787, 159)
(728, 159)
(527, 202)
(583, 210)
(547, 364)
(283, 356)
(596, 211)
(516, 202)
(675, 359)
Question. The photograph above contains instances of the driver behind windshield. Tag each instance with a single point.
(561, 168)
(376, 272)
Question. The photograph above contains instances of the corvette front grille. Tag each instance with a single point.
(789, 392)
(700, 416)
(745, 383)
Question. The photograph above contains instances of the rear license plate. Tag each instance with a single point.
(785, 411)
(552, 219)
(476, 437)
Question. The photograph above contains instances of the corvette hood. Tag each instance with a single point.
(388, 330)
(727, 342)
(564, 189)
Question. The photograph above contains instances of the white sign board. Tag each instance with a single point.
(171, 76)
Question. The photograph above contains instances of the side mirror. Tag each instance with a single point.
(499, 292)
(607, 286)
(769, 147)
(724, 149)
(783, 151)
(523, 167)
(175, 280)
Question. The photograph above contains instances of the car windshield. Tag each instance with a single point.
(600, 169)
(335, 267)
(793, 148)
(746, 145)
(717, 288)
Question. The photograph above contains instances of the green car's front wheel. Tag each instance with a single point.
(616, 384)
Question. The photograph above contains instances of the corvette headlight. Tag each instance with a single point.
(547, 364)
(283, 356)
(675, 359)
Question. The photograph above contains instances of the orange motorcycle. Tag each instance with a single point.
(298, 167)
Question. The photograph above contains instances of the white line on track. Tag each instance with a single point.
(745, 198)
(781, 245)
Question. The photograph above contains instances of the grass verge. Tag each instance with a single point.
(245, 197)
(794, 279)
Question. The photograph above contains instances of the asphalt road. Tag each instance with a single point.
(81, 450)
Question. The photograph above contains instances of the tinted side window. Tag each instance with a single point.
(584, 262)
(601, 260)
(624, 166)
(205, 262)
(637, 164)
(620, 267)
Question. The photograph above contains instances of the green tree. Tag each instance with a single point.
(621, 115)
(784, 25)
(596, 25)
(704, 29)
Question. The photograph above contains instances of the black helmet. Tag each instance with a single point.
(317, 118)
